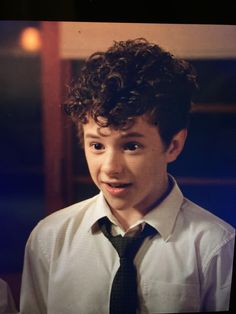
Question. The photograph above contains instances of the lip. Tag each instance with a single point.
(116, 191)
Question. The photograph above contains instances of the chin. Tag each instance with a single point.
(118, 205)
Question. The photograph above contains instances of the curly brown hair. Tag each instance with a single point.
(133, 78)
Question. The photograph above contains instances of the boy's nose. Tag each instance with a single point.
(112, 164)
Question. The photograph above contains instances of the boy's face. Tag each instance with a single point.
(129, 166)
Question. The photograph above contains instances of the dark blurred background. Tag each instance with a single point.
(206, 169)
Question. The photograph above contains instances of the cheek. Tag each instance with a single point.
(153, 166)
(94, 172)
(141, 170)
(135, 165)
(92, 164)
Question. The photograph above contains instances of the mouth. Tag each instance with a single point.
(117, 187)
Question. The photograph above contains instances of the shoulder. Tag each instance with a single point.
(72, 213)
(209, 233)
(202, 219)
(64, 223)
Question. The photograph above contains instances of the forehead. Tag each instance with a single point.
(140, 127)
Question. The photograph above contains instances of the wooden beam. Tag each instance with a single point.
(52, 116)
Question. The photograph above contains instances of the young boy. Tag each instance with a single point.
(131, 105)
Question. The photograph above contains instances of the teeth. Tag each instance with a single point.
(118, 185)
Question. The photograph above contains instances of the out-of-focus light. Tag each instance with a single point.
(30, 39)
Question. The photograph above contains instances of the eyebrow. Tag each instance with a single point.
(126, 135)
(90, 135)
(132, 134)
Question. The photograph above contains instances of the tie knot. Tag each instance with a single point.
(126, 246)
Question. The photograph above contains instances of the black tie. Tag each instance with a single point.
(123, 298)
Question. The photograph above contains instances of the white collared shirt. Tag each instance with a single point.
(7, 303)
(187, 267)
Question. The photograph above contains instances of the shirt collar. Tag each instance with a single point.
(98, 211)
(162, 217)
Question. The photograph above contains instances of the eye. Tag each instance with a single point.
(96, 146)
(132, 146)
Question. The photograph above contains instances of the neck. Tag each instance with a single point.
(127, 217)
(130, 216)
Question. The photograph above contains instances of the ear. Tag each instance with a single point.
(176, 146)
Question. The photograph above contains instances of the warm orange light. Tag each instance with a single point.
(30, 39)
